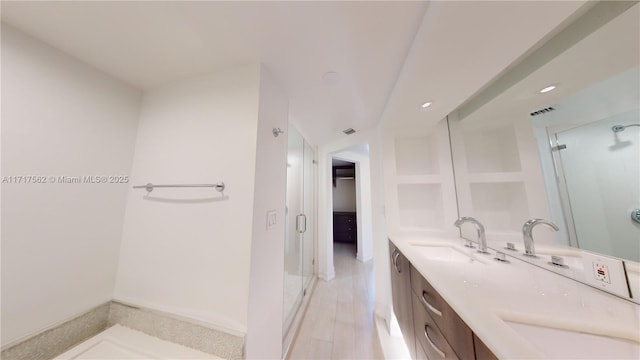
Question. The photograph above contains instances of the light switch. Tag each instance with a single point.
(272, 219)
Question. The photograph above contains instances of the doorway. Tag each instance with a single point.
(345, 230)
(358, 157)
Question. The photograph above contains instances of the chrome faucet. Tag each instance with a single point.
(482, 240)
(527, 233)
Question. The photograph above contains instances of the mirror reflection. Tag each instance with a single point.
(561, 143)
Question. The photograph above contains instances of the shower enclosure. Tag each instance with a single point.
(598, 165)
(299, 241)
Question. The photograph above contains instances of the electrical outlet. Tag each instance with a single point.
(601, 272)
(605, 273)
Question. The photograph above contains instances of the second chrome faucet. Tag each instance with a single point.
(527, 234)
(482, 240)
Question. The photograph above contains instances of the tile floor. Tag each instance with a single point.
(339, 323)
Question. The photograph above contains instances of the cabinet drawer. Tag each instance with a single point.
(428, 335)
(457, 333)
(344, 237)
(347, 219)
(344, 219)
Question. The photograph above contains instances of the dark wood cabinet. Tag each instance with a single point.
(459, 336)
(429, 336)
(401, 296)
(430, 327)
(482, 351)
(344, 227)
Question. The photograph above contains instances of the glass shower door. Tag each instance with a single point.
(600, 169)
(293, 280)
(299, 244)
(308, 248)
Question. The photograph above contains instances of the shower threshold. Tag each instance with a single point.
(119, 342)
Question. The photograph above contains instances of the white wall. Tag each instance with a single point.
(187, 251)
(264, 336)
(59, 241)
(344, 195)
(380, 249)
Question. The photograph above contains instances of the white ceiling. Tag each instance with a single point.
(462, 46)
(147, 44)
(454, 48)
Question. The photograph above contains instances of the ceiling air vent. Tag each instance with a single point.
(542, 111)
(348, 131)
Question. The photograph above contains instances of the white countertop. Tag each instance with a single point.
(485, 294)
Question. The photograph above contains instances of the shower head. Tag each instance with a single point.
(619, 128)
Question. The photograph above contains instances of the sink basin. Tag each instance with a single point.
(444, 253)
(556, 343)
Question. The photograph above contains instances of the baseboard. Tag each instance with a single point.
(363, 259)
(58, 339)
(168, 327)
(327, 276)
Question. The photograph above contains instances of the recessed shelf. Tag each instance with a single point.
(419, 179)
(500, 206)
(492, 150)
(496, 177)
(420, 206)
(417, 155)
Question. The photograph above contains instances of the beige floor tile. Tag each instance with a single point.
(319, 349)
(323, 326)
(345, 313)
(339, 322)
(298, 350)
(343, 341)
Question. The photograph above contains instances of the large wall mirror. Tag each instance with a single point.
(571, 153)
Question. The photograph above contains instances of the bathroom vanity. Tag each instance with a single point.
(452, 302)
(517, 155)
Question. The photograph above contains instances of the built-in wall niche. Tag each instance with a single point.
(501, 206)
(417, 155)
(419, 186)
(420, 206)
(492, 149)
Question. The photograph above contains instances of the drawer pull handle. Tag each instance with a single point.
(426, 335)
(395, 261)
(429, 306)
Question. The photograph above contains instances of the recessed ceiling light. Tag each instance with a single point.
(547, 89)
(426, 105)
